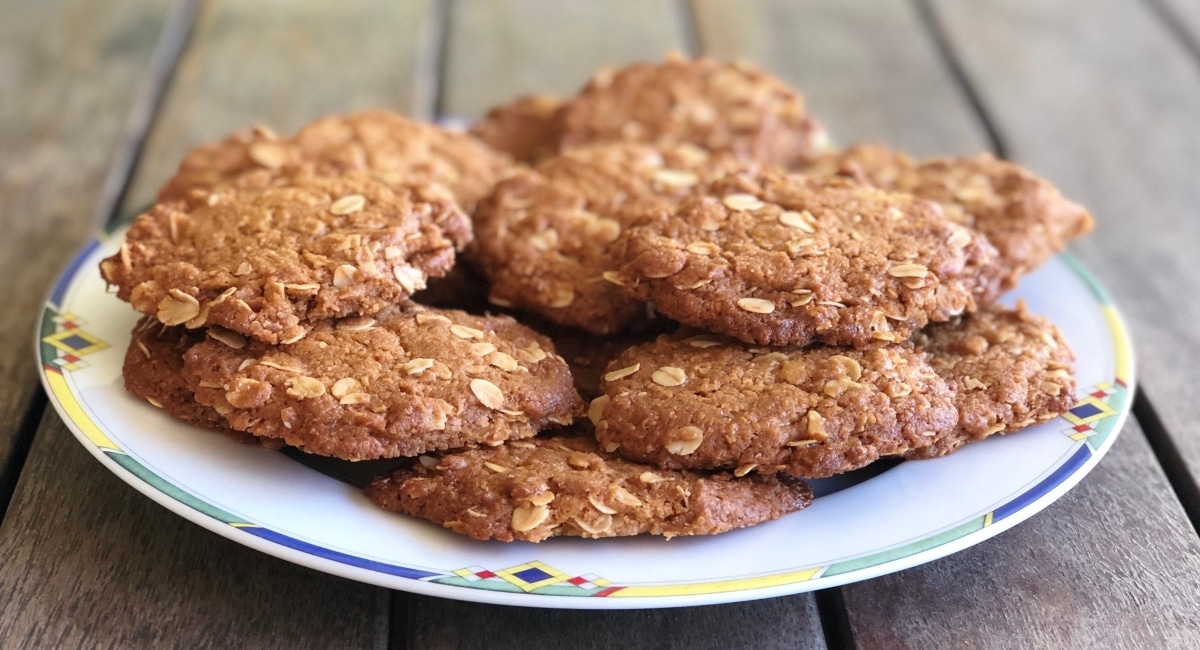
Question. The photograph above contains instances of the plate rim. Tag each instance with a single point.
(928, 547)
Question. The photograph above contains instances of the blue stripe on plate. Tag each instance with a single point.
(68, 275)
(319, 551)
(1049, 483)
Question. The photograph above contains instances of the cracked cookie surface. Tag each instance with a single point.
(704, 401)
(779, 259)
(544, 235)
(401, 383)
(269, 256)
(387, 144)
(1025, 217)
(722, 107)
(565, 486)
(1011, 369)
(153, 371)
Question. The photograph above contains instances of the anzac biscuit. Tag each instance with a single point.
(544, 234)
(153, 371)
(523, 128)
(1010, 369)
(401, 383)
(390, 145)
(706, 401)
(722, 107)
(263, 261)
(1022, 215)
(545, 487)
(781, 259)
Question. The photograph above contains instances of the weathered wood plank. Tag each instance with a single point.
(284, 64)
(503, 49)
(1112, 114)
(497, 51)
(932, 606)
(1114, 564)
(790, 622)
(69, 71)
(867, 69)
(89, 562)
(92, 562)
(1184, 16)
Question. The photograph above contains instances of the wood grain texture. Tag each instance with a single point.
(1113, 564)
(1110, 110)
(790, 622)
(283, 64)
(1183, 15)
(94, 563)
(868, 69)
(1128, 520)
(69, 71)
(91, 563)
(505, 48)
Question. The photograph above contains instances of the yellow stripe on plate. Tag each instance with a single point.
(58, 385)
(1124, 356)
(718, 587)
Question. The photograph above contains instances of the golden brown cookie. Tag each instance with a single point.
(705, 401)
(781, 259)
(1022, 215)
(153, 371)
(722, 107)
(523, 128)
(407, 381)
(390, 145)
(588, 355)
(565, 486)
(544, 235)
(265, 260)
(1010, 369)
(702, 401)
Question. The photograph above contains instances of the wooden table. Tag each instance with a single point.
(99, 99)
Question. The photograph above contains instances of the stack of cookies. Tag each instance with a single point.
(744, 307)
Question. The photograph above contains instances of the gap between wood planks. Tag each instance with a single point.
(835, 619)
(929, 20)
(163, 59)
(439, 34)
(1177, 28)
(398, 620)
(1168, 456)
(693, 42)
(26, 430)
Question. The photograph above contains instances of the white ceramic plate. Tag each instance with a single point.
(912, 513)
